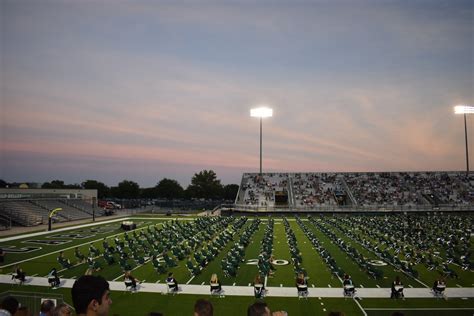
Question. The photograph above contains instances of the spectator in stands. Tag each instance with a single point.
(19, 274)
(91, 296)
(46, 308)
(302, 285)
(62, 310)
(397, 288)
(9, 306)
(53, 278)
(258, 287)
(171, 282)
(203, 307)
(215, 284)
(439, 286)
(130, 280)
(260, 308)
(348, 285)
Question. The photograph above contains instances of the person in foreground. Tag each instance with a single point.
(260, 308)
(91, 296)
(203, 307)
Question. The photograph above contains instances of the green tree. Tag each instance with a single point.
(103, 191)
(55, 184)
(169, 189)
(230, 191)
(205, 185)
(126, 190)
(148, 193)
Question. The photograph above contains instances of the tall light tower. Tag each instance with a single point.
(261, 112)
(465, 109)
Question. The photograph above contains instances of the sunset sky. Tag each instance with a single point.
(142, 90)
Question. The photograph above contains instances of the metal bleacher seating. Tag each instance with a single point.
(363, 190)
(36, 212)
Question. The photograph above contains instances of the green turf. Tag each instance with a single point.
(41, 261)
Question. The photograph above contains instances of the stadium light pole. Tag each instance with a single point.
(261, 112)
(465, 109)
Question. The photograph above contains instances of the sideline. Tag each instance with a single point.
(248, 291)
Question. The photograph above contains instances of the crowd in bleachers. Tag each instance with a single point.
(315, 189)
(406, 189)
(260, 190)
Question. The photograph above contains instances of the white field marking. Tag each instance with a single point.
(281, 285)
(118, 277)
(250, 284)
(266, 279)
(202, 283)
(312, 285)
(142, 281)
(329, 285)
(58, 230)
(158, 281)
(324, 309)
(33, 275)
(322, 304)
(319, 298)
(190, 280)
(233, 284)
(73, 277)
(64, 249)
(377, 286)
(360, 306)
(458, 285)
(61, 276)
(339, 278)
(422, 309)
(361, 286)
(409, 285)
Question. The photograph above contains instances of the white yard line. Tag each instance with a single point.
(189, 281)
(360, 306)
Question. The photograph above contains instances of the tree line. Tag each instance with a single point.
(204, 185)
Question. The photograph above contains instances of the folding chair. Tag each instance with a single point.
(349, 291)
(259, 290)
(130, 286)
(438, 291)
(302, 291)
(216, 290)
(172, 288)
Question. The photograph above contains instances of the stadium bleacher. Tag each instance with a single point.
(405, 190)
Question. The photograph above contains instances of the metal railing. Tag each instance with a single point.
(351, 208)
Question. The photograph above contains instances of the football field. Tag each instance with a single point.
(324, 248)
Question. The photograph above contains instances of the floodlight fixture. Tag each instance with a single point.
(465, 109)
(261, 112)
